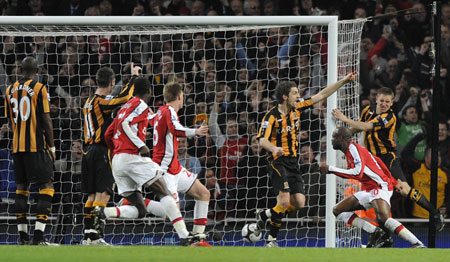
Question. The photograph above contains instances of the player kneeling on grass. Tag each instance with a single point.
(378, 185)
(133, 169)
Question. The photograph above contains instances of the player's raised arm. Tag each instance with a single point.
(329, 90)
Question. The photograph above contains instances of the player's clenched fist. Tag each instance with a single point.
(278, 151)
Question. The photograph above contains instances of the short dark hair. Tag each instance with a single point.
(283, 88)
(29, 66)
(171, 91)
(104, 77)
(386, 91)
(141, 86)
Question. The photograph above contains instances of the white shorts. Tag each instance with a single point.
(180, 182)
(365, 198)
(131, 172)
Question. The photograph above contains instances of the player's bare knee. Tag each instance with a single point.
(204, 194)
(382, 217)
(284, 203)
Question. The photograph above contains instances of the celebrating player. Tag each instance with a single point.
(133, 169)
(97, 179)
(27, 107)
(167, 128)
(378, 123)
(377, 184)
(278, 135)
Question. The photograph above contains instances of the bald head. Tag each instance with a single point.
(344, 132)
(29, 67)
(342, 136)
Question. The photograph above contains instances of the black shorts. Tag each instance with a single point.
(96, 170)
(286, 176)
(391, 161)
(33, 167)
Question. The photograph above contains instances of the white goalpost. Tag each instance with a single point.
(229, 67)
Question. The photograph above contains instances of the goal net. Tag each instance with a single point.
(229, 74)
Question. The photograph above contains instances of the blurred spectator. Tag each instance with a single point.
(237, 7)
(409, 127)
(252, 167)
(156, 8)
(445, 11)
(215, 211)
(177, 7)
(71, 7)
(68, 180)
(252, 7)
(92, 11)
(198, 8)
(314, 184)
(270, 7)
(420, 172)
(105, 7)
(444, 144)
(189, 162)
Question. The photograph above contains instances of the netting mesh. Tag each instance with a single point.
(227, 72)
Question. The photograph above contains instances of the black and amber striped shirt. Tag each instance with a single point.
(282, 129)
(25, 102)
(379, 140)
(97, 113)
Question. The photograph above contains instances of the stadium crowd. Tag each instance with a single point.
(229, 80)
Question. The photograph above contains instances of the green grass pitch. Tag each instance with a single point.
(9, 253)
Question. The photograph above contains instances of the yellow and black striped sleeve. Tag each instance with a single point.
(364, 113)
(44, 100)
(304, 104)
(266, 126)
(385, 120)
(111, 102)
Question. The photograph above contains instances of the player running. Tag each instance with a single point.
(377, 184)
(132, 167)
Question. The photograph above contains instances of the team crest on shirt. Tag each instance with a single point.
(385, 121)
(286, 185)
(265, 124)
(109, 97)
(175, 196)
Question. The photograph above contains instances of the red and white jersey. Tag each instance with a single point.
(167, 128)
(126, 134)
(366, 168)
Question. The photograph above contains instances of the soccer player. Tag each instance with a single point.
(377, 185)
(378, 123)
(278, 135)
(167, 128)
(132, 167)
(97, 179)
(27, 107)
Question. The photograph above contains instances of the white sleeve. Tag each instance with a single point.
(126, 125)
(216, 134)
(179, 128)
(357, 161)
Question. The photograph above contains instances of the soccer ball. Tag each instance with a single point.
(251, 233)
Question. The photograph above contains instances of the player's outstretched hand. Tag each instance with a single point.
(135, 70)
(350, 78)
(202, 130)
(144, 151)
(339, 115)
(324, 169)
(278, 151)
